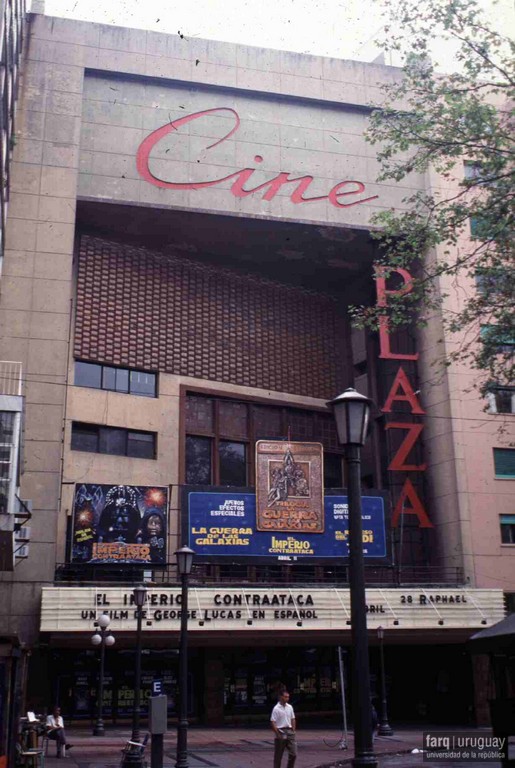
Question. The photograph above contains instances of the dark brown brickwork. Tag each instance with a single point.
(142, 309)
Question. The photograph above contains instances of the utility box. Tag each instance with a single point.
(158, 714)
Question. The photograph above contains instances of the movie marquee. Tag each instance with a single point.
(75, 609)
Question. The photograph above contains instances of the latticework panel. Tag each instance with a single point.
(144, 309)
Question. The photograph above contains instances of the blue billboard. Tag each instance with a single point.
(221, 524)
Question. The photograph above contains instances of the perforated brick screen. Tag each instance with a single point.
(142, 309)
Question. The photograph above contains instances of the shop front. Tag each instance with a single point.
(245, 642)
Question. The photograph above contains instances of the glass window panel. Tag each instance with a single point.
(143, 383)
(141, 445)
(325, 431)
(6, 427)
(232, 419)
(333, 476)
(233, 463)
(505, 400)
(112, 441)
(88, 375)
(199, 414)
(108, 377)
(122, 380)
(5, 453)
(84, 438)
(198, 460)
(504, 462)
(267, 423)
(508, 534)
(300, 424)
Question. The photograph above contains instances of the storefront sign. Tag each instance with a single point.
(401, 391)
(75, 609)
(122, 524)
(222, 524)
(344, 194)
(289, 487)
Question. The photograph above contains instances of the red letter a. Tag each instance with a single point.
(409, 493)
(401, 382)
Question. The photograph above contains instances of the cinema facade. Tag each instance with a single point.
(188, 223)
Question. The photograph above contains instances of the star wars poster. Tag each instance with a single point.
(117, 524)
(289, 487)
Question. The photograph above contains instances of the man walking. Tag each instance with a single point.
(283, 725)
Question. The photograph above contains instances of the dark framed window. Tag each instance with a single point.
(498, 337)
(221, 435)
(113, 441)
(508, 529)
(504, 463)
(122, 380)
(501, 400)
(333, 476)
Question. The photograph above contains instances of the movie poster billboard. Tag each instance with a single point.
(289, 486)
(119, 524)
(221, 526)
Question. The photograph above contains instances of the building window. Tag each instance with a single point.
(501, 400)
(221, 436)
(113, 441)
(497, 337)
(508, 529)
(6, 450)
(504, 463)
(115, 379)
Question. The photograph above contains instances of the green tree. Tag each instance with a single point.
(460, 126)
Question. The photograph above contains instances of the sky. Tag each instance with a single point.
(343, 29)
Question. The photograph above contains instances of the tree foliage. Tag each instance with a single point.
(459, 129)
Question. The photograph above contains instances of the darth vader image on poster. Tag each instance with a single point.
(119, 524)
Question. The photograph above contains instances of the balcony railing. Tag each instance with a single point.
(10, 378)
(273, 575)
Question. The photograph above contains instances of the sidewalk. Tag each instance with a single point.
(229, 747)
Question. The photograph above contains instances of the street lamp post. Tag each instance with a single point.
(384, 728)
(140, 597)
(101, 638)
(184, 563)
(352, 411)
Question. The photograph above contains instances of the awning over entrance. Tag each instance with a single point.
(496, 639)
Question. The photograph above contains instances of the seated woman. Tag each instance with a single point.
(55, 731)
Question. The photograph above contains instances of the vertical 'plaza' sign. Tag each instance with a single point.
(401, 391)
(344, 194)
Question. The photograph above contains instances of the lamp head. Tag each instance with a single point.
(140, 595)
(184, 557)
(352, 413)
(109, 640)
(380, 633)
(96, 639)
(103, 620)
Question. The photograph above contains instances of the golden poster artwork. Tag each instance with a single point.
(289, 487)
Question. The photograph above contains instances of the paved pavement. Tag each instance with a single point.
(231, 747)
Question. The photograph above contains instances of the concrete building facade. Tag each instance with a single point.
(188, 222)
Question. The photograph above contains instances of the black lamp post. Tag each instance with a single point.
(102, 637)
(184, 563)
(352, 412)
(384, 728)
(140, 598)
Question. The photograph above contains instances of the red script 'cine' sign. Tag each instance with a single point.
(341, 195)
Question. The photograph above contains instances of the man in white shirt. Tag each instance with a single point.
(284, 727)
(55, 731)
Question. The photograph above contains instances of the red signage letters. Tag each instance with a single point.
(401, 391)
(344, 194)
